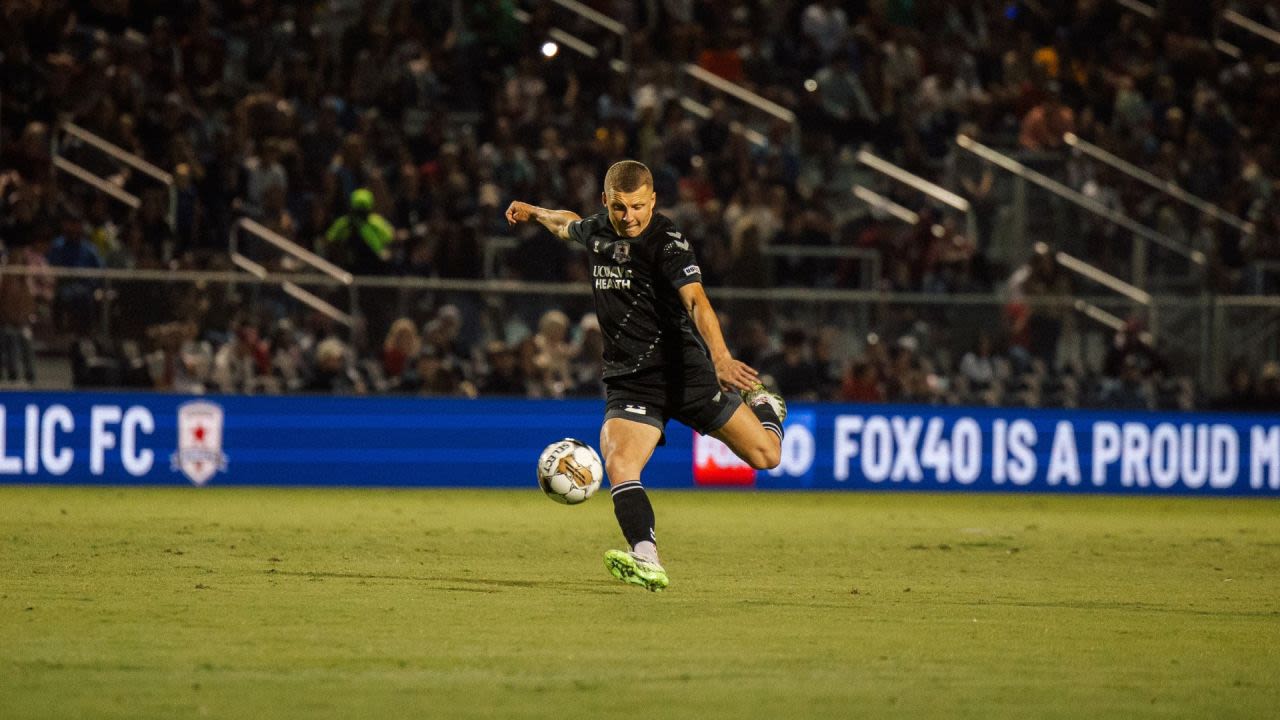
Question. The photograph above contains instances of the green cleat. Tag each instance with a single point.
(631, 568)
(759, 394)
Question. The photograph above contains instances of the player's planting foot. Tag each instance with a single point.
(759, 394)
(631, 568)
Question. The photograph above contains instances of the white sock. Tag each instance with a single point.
(646, 550)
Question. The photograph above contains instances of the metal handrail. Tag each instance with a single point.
(623, 65)
(120, 154)
(1078, 198)
(753, 136)
(594, 16)
(573, 42)
(1151, 13)
(1103, 278)
(1165, 186)
(906, 215)
(731, 88)
(315, 303)
(257, 270)
(1251, 26)
(1141, 8)
(869, 265)
(690, 105)
(933, 190)
(290, 287)
(605, 22)
(880, 202)
(106, 187)
(518, 287)
(287, 246)
(117, 152)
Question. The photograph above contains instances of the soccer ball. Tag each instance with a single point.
(569, 471)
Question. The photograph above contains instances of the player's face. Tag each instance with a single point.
(629, 212)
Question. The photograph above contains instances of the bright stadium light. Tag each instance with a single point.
(549, 49)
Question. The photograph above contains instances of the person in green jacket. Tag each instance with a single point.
(361, 240)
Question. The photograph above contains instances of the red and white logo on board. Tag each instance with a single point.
(715, 464)
(199, 453)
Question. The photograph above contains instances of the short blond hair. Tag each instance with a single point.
(627, 176)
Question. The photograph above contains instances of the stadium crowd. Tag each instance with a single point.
(387, 135)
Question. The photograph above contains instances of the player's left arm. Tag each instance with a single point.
(732, 374)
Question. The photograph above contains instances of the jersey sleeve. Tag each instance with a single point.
(580, 230)
(678, 263)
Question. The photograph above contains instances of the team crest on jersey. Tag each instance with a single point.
(199, 453)
(622, 252)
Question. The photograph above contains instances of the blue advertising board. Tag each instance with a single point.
(156, 439)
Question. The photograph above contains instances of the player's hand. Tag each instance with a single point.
(518, 212)
(735, 375)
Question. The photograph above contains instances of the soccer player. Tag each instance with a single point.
(664, 355)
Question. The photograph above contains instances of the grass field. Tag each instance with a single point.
(146, 603)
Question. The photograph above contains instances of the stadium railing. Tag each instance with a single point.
(1169, 188)
(70, 137)
(694, 80)
(296, 252)
(1142, 236)
(1230, 32)
(126, 304)
(915, 182)
(1255, 29)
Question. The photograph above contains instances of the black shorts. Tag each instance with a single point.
(655, 396)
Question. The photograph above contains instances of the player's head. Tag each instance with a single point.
(628, 196)
(361, 201)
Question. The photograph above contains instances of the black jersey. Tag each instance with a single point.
(635, 283)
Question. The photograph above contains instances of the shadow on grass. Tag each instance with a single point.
(455, 584)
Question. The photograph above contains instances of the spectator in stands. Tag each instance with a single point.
(103, 231)
(501, 375)
(401, 346)
(73, 306)
(1125, 388)
(978, 366)
(1045, 124)
(443, 334)
(241, 363)
(823, 355)
(1131, 350)
(1041, 321)
(333, 373)
(355, 98)
(436, 375)
(180, 362)
(288, 357)
(862, 383)
(1269, 385)
(791, 369)
(547, 355)
(360, 240)
(264, 173)
(588, 362)
(751, 343)
(850, 113)
(20, 299)
(907, 378)
(825, 26)
(350, 171)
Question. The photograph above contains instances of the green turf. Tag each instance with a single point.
(144, 603)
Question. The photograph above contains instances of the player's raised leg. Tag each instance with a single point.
(627, 446)
(754, 431)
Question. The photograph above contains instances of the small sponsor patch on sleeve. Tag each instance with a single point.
(692, 270)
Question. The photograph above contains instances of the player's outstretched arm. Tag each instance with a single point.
(732, 374)
(557, 221)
